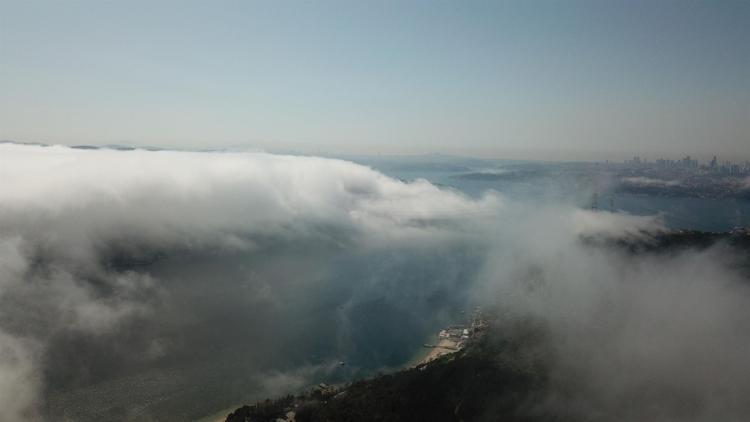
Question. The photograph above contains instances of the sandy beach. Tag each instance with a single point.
(443, 347)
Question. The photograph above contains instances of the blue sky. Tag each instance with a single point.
(534, 79)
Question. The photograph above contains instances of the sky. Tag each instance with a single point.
(497, 79)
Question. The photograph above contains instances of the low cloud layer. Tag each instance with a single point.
(173, 250)
(629, 336)
(184, 198)
(209, 279)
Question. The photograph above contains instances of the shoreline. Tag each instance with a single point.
(444, 346)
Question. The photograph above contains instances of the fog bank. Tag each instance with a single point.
(142, 284)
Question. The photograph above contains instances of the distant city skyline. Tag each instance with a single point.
(577, 80)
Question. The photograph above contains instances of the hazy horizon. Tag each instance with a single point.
(518, 155)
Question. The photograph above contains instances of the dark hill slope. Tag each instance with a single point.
(495, 375)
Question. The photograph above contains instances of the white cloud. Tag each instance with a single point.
(64, 213)
(67, 214)
(643, 337)
(73, 197)
(19, 378)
